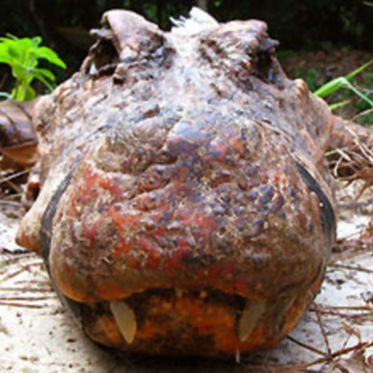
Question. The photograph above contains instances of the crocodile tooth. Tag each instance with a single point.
(249, 318)
(125, 318)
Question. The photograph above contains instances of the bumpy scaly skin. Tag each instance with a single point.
(189, 162)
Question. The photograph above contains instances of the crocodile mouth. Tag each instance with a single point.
(180, 322)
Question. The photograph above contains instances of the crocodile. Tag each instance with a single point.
(185, 205)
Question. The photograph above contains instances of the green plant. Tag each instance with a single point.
(23, 55)
(344, 81)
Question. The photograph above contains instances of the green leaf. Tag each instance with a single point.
(11, 36)
(28, 78)
(18, 70)
(332, 152)
(47, 73)
(30, 93)
(23, 93)
(329, 87)
(22, 56)
(339, 104)
(43, 80)
(37, 41)
(335, 84)
(51, 56)
(18, 94)
(358, 93)
(359, 70)
(4, 54)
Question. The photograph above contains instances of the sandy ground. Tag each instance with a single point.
(38, 336)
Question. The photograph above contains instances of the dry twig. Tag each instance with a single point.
(306, 346)
(323, 333)
(327, 359)
(24, 305)
(352, 268)
(24, 268)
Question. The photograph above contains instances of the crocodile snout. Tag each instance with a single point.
(187, 244)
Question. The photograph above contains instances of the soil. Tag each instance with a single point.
(330, 64)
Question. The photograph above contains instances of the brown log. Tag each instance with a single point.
(18, 142)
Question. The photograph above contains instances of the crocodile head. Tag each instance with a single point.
(184, 206)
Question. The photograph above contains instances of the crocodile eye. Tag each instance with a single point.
(103, 56)
(264, 66)
(125, 38)
(242, 49)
